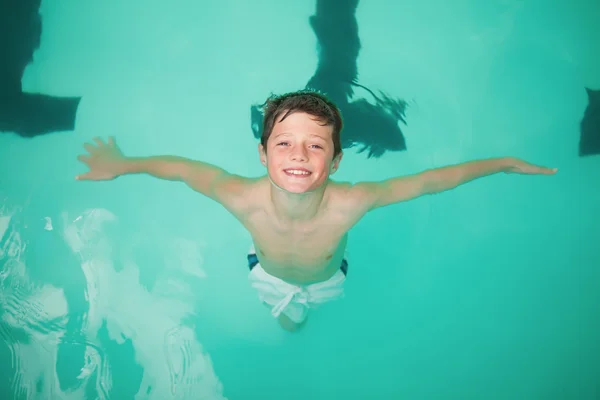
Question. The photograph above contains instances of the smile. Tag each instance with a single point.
(302, 173)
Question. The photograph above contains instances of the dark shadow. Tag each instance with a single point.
(126, 373)
(374, 127)
(589, 139)
(48, 260)
(27, 114)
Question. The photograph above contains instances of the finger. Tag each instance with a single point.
(84, 177)
(83, 158)
(99, 141)
(89, 147)
(547, 171)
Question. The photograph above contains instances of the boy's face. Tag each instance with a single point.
(299, 154)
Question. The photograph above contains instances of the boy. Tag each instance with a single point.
(298, 218)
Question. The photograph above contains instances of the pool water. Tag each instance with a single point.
(137, 288)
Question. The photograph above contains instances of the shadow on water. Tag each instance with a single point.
(373, 127)
(38, 270)
(27, 114)
(589, 140)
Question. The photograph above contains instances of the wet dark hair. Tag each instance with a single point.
(307, 101)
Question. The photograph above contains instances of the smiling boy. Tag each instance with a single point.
(297, 216)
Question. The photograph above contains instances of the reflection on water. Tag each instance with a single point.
(61, 349)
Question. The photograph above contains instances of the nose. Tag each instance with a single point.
(298, 153)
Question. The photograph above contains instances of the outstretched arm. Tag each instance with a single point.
(106, 162)
(394, 190)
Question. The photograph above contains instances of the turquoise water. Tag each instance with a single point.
(137, 288)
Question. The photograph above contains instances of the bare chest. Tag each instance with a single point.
(299, 252)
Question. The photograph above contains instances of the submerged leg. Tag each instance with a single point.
(289, 325)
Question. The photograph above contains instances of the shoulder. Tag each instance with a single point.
(355, 197)
(240, 195)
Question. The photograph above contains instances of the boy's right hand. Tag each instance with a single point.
(105, 161)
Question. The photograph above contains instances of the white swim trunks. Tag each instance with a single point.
(294, 300)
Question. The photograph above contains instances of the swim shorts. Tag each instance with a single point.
(294, 300)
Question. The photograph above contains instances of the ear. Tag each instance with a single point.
(262, 154)
(336, 163)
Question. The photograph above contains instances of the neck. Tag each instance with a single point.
(296, 206)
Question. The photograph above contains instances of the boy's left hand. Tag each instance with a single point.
(517, 166)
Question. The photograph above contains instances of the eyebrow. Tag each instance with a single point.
(283, 135)
(318, 137)
(312, 135)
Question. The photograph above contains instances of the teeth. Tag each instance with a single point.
(296, 172)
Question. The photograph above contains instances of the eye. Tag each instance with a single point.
(317, 146)
(282, 143)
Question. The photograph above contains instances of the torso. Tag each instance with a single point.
(302, 252)
(298, 255)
